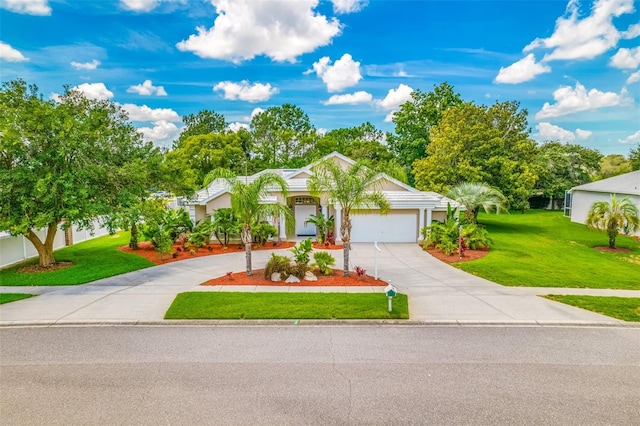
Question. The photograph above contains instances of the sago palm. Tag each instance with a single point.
(611, 217)
(478, 195)
(356, 187)
(246, 202)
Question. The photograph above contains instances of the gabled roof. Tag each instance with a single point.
(297, 181)
(628, 184)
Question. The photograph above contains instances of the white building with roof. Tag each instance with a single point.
(579, 199)
(410, 210)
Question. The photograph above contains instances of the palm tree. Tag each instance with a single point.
(354, 187)
(246, 202)
(477, 195)
(611, 217)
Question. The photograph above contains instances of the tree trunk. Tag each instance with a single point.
(612, 241)
(133, 242)
(345, 258)
(246, 239)
(45, 249)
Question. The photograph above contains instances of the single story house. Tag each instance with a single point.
(579, 199)
(411, 209)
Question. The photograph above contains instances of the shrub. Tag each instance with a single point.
(302, 250)
(281, 264)
(323, 261)
(224, 226)
(446, 236)
(300, 269)
(360, 272)
(262, 232)
(200, 235)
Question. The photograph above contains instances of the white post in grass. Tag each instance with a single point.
(375, 261)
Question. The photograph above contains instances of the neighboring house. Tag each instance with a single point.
(410, 209)
(579, 199)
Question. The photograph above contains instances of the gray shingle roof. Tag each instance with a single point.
(628, 183)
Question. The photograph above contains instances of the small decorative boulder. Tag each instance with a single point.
(292, 279)
(309, 276)
(276, 277)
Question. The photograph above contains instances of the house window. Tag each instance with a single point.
(305, 201)
(567, 204)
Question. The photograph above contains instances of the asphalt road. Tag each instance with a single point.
(319, 375)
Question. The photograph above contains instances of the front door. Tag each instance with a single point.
(303, 212)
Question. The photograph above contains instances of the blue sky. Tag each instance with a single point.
(574, 65)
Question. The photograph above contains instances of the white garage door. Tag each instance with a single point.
(398, 226)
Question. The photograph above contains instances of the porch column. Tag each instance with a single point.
(337, 223)
(429, 210)
(420, 222)
(283, 227)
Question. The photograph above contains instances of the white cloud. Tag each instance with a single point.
(396, 97)
(86, 65)
(389, 117)
(351, 99)
(634, 138)
(280, 30)
(9, 54)
(633, 78)
(626, 58)
(139, 5)
(256, 111)
(245, 92)
(27, 7)
(524, 70)
(584, 38)
(348, 6)
(570, 100)
(147, 89)
(548, 131)
(234, 127)
(162, 133)
(632, 32)
(97, 91)
(345, 72)
(144, 113)
(583, 134)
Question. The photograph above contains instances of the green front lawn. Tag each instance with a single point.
(545, 249)
(624, 308)
(92, 260)
(12, 297)
(209, 305)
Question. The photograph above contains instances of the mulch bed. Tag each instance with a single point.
(454, 258)
(615, 250)
(147, 251)
(36, 269)
(335, 280)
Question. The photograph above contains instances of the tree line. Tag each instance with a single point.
(72, 159)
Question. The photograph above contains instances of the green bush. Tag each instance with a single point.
(201, 234)
(262, 232)
(300, 269)
(281, 264)
(224, 226)
(446, 236)
(323, 261)
(302, 250)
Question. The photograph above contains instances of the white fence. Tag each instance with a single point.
(17, 249)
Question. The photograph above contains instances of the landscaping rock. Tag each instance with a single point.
(309, 276)
(292, 279)
(276, 277)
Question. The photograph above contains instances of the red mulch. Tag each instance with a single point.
(615, 250)
(335, 280)
(455, 258)
(147, 251)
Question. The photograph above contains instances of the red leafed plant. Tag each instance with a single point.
(230, 275)
(360, 272)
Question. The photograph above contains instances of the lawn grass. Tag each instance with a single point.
(94, 259)
(210, 305)
(624, 308)
(12, 297)
(545, 249)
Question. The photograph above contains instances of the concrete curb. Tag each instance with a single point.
(279, 323)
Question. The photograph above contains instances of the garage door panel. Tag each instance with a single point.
(395, 227)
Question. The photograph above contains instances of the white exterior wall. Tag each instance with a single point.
(581, 202)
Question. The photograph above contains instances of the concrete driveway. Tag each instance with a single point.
(438, 293)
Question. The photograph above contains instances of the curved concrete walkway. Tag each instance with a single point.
(439, 293)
